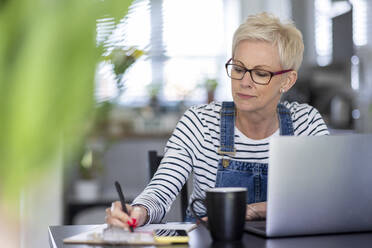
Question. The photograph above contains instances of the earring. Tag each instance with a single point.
(282, 90)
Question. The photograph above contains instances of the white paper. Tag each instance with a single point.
(141, 235)
(187, 226)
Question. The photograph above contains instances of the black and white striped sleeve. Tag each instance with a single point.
(307, 120)
(316, 124)
(173, 170)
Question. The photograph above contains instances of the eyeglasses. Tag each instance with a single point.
(258, 76)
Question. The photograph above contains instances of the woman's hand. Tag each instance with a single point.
(115, 215)
(205, 219)
(256, 211)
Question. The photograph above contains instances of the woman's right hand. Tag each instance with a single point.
(115, 215)
(256, 211)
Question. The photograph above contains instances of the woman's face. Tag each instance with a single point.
(247, 95)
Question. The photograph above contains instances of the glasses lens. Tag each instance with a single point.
(261, 76)
(235, 71)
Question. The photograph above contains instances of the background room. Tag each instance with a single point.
(184, 65)
(165, 56)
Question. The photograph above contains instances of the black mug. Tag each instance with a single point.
(226, 212)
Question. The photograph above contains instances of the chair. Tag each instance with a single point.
(154, 162)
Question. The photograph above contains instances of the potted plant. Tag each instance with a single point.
(103, 128)
(153, 90)
(210, 84)
(87, 187)
(121, 59)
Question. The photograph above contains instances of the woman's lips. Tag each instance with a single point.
(244, 96)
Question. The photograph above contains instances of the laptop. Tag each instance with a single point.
(318, 185)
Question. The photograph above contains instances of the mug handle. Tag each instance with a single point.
(194, 213)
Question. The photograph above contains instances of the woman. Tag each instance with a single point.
(227, 144)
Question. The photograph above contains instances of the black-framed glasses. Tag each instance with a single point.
(259, 76)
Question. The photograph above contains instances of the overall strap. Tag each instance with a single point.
(285, 120)
(227, 128)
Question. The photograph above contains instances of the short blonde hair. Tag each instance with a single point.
(266, 27)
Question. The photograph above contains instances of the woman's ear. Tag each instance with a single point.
(289, 81)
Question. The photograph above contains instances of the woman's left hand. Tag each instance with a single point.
(256, 211)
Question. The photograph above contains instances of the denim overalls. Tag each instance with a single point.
(232, 173)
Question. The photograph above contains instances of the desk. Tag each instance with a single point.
(200, 238)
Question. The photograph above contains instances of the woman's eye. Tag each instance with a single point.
(238, 69)
(261, 73)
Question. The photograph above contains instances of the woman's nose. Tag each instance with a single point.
(246, 81)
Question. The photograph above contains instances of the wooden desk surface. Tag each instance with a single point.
(200, 238)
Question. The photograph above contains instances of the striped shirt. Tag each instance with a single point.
(193, 148)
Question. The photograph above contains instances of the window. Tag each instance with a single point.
(359, 22)
(325, 10)
(323, 31)
(133, 30)
(186, 41)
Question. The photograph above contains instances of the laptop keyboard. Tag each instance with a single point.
(260, 225)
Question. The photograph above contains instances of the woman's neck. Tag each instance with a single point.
(257, 125)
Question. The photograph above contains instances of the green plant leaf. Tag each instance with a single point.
(47, 69)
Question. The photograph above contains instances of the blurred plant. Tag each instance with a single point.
(95, 144)
(86, 163)
(210, 85)
(101, 119)
(122, 58)
(153, 90)
(90, 164)
(47, 67)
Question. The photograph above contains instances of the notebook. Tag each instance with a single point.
(318, 185)
(104, 234)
